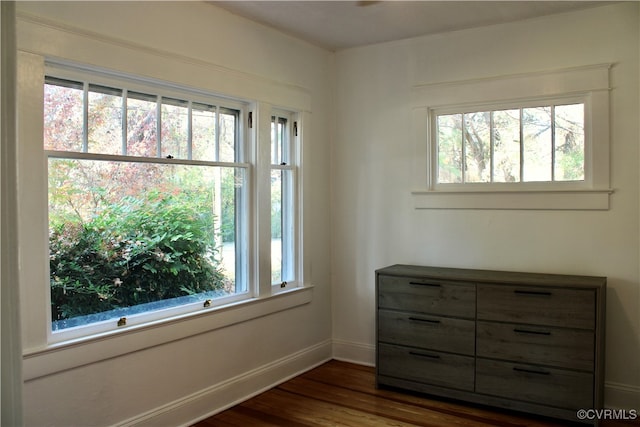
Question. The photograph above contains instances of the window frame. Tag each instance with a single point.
(159, 91)
(288, 165)
(590, 82)
(256, 301)
(432, 142)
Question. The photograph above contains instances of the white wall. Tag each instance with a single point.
(375, 224)
(175, 382)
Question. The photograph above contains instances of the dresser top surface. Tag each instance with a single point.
(493, 276)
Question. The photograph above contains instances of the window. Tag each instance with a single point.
(537, 140)
(283, 193)
(511, 144)
(150, 202)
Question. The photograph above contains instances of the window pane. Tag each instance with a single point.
(536, 128)
(228, 136)
(230, 226)
(282, 226)
(279, 141)
(142, 125)
(276, 226)
(569, 142)
(105, 120)
(477, 142)
(204, 132)
(175, 129)
(127, 237)
(506, 146)
(63, 117)
(450, 148)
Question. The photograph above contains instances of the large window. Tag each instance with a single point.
(150, 202)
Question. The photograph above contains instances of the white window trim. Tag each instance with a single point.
(590, 83)
(294, 146)
(155, 89)
(42, 357)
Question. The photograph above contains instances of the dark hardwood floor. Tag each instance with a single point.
(344, 394)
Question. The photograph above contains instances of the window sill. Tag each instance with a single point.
(514, 200)
(83, 351)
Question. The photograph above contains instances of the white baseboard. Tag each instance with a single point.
(621, 396)
(217, 398)
(360, 353)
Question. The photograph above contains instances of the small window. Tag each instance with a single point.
(542, 143)
(530, 141)
(147, 203)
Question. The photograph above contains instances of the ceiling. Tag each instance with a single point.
(337, 25)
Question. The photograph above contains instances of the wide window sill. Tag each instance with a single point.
(513, 200)
(83, 351)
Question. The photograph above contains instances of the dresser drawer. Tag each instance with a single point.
(571, 308)
(431, 367)
(563, 348)
(430, 332)
(427, 296)
(530, 383)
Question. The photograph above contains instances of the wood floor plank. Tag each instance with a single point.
(313, 412)
(344, 394)
(229, 419)
(261, 418)
(396, 410)
(363, 379)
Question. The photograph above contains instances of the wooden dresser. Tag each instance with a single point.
(522, 341)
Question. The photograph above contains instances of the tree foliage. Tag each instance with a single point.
(550, 141)
(134, 251)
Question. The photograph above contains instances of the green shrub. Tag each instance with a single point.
(135, 251)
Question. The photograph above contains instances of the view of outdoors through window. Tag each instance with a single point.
(537, 144)
(282, 193)
(145, 202)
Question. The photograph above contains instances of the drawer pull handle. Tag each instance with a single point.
(531, 371)
(543, 293)
(417, 319)
(434, 285)
(524, 331)
(430, 356)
